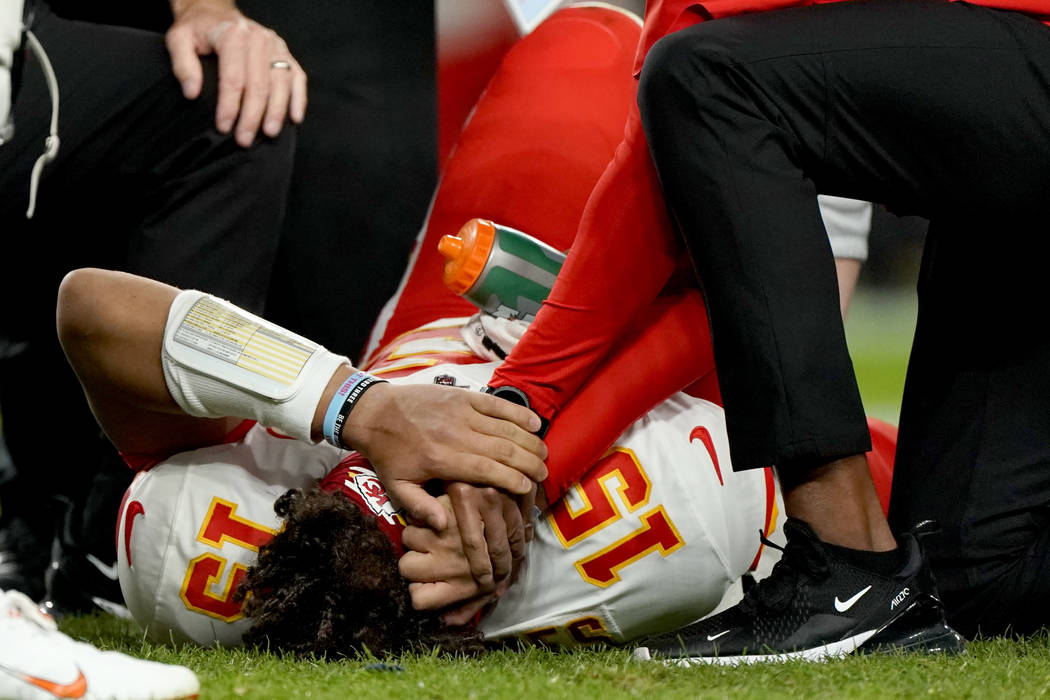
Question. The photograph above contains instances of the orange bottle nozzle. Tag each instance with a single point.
(450, 247)
(466, 254)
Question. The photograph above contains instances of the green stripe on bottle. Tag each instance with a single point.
(503, 292)
(522, 245)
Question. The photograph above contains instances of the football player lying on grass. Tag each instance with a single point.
(606, 561)
(640, 546)
(192, 522)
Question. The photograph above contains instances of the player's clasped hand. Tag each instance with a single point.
(492, 529)
(260, 83)
(413, 434)
(441, 574)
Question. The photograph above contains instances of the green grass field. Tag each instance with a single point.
(993, 668)
(879, 334)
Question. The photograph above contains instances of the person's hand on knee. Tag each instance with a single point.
(260, 82)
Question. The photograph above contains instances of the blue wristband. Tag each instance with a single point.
(328, 427)
(356, 393)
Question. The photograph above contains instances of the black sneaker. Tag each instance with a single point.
(82, 575)
(25, 551)
(815, 606)
(78, 583)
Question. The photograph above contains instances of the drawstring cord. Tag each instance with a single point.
(52, 142)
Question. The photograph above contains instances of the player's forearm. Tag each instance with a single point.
(142, 349)
(110, 325)
(220, 360)
(139, 345)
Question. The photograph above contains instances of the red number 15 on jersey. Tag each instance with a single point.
(656, 532)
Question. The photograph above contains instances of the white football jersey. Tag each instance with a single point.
(651, 539)
(190, 527)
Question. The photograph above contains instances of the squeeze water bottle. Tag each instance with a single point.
(499, 269)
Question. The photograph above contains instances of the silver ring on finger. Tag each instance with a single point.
(280, 65)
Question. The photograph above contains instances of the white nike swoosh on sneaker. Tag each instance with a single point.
(844, 605)
(713, 637)
(109, 572)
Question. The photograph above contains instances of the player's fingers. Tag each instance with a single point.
(420, 505)
(418, 567)
(510, 453)
(514, 517)
(475, 468)
(499, 529)
(527, 509)
(506, 429)
(232, 50)
(507, 444)
(418, 539)
(413, 565)
(434, 596)
(185, 63)
(499, 536)
(469, 509)
(501, 408)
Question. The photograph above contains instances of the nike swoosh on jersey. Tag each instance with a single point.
(844, 605)
(76, 689)
(713, 637)
(134, 508)
(704, 435)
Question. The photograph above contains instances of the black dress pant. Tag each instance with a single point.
(931, 108)
(365, 163)
(366, 154)
(143, 183)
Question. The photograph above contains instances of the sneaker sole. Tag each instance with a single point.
(922, 628)
(825, 652)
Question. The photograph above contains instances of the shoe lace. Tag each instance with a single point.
(801, 561)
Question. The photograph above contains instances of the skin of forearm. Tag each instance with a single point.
(848, 272)
(111, 325)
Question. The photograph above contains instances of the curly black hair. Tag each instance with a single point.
(328, 585)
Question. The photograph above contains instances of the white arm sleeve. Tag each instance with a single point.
(848, 222)
(220, 360)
